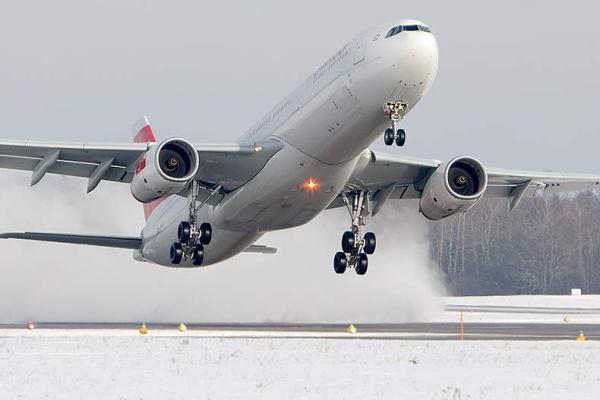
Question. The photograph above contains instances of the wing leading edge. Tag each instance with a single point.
(228, 165)
(388, 177)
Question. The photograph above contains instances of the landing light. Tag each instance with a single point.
(311, 185)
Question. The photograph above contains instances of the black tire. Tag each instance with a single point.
(388, 137)
(198, 255)
(184, 232)
(176, 253)
(370, 243)
(362, 263)
(205, 233)
(401, 137)
(348, 242)
(340, 262)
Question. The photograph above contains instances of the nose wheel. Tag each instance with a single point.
(395, 112)
(355, 247)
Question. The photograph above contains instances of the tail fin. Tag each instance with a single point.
(143, 133)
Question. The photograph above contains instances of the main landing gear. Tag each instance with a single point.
(355, 247)
(394, 111)
(192, 238)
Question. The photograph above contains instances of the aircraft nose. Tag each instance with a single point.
(415, 59)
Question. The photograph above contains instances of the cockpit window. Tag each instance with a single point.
(400, 28)
(394, 31)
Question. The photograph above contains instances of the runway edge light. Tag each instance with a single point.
(581, 337)
(182, 327)
(351, 329)
(143, 329)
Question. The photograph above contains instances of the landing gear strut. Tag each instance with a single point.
(355, 247)
(192, 238)
(394, 111)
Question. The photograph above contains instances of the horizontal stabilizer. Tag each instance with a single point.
(258, 248)
(121, 242)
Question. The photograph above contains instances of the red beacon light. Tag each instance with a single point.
(311, 185)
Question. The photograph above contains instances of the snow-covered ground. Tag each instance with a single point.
(130, 366)
(167, 364)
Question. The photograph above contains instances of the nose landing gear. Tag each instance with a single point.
(355, 247)
(192, 238)
(394, 111)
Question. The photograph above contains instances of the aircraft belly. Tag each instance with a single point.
(159, 236)
(277, 198)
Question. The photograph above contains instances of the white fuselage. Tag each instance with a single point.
(324, 126)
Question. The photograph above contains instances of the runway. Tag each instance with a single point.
(403, 331)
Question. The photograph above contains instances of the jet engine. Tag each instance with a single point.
(453, 187)
(165, 169)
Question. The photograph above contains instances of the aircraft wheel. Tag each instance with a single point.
(184, 232)
(400, 137)
(388, 137)
(198, 255)
(340, 262)
(348, 242)
(176, 253)
(370, 243)
(362, 264)
(205, 233)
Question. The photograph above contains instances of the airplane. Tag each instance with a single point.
(205, 203)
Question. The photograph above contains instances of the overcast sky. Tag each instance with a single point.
(517, 87)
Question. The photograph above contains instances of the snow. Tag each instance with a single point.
(125, 365)
(167, 364)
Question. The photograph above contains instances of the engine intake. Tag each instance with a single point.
(454, 187)
(165, 169)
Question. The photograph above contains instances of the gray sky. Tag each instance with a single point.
(517, 87)
(517, 84)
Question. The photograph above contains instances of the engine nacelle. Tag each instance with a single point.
(165, 169)
(454, 187)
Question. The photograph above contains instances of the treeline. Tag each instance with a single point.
(547, 245)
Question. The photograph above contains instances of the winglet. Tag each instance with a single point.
(142, 131)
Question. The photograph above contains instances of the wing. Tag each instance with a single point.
(387, 177)
(121, 242)
(228, 165)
